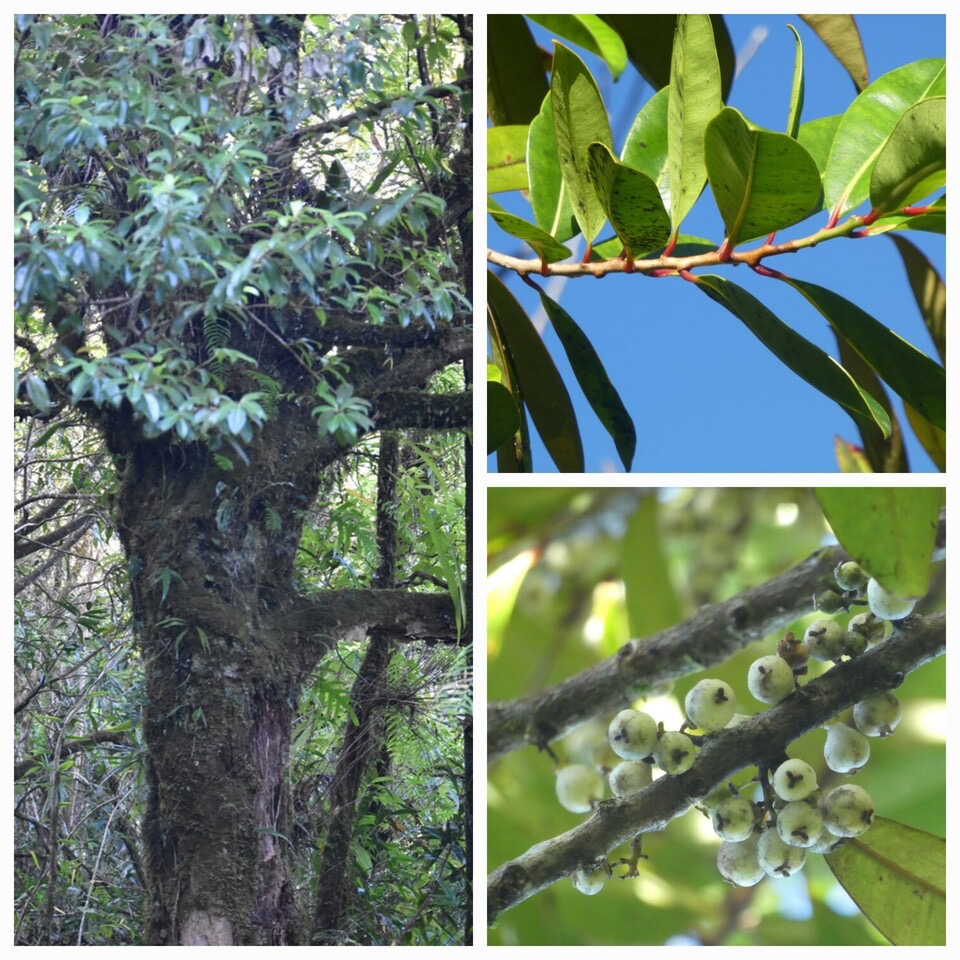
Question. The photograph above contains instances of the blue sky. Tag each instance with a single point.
(704, 394)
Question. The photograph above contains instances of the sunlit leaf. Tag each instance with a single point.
(932, 220)
(932, 439)
(587, 30)
(503, 418)
(545, 246)
(929, 291)
(506, 158)
(850, 458)
(816, 136)
(840, 33)
(552, 210)
(796, 89)
(645, 148)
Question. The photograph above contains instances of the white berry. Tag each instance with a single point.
(579, 787)
(733, 819)
(877, 716)
(739, 862)
(770, 679)
(799, 824)
(590, 882)
(710, 704)
(824, 639)
(847, 810)
(632, 734)
(675, 752)
(777, 858)
(846, 750)
(794, 780)
(887, 606)
(630, 776)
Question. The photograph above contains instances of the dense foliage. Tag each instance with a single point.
(243, 678)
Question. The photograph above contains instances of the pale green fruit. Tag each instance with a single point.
(739, 862)
(733, 819)
(710, 704)
(630, 776)
(846, 750)
(579, 788)
(794, 780)
(847, 810)
(632, 734)
(869, 625)
(675, 752)
(799, 824)
(777, 858)
(824, 639)
(770, 679)
(877, 716)
(887, 606)
(850, 576)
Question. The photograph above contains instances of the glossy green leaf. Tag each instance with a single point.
(645, 148)
(842, 37)
(596, 386)
(929, 291)
(898, 877)
(539, 385)
(503, 418)
(579, 119)
(630, 200)
(816, 136)
(933, 440)
(552, 210)
(516, 81)
(868, 123)
(913, 161)
(805, 359)
(515, 457)
(909, 372)
(761, 180)
(587, 30)
(649, 40)
(694, 100)
(506, 158)
(543, 244)
(889, 531)
(796, 89)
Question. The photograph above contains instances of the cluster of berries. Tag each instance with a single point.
(770, 837)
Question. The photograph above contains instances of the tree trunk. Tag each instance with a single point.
(209, 583)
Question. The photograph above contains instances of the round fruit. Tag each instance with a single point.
(853, 644)
(869, 625)
(847, 810)
(777, 858)
(675, 752)
(590, 882)
(846, 749)
(794, 780)
(770, 679)
(632, 734)
(877, 716)
(799, 824)
(887, 606)
(630, 776)
(828, 601)
(739, 863)
(850, 576)
(710, 704)
(579, 787)
(733, 819)
(824, 639)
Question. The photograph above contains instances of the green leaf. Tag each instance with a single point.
(909, 372)
(694, 100)
(588, 31)
(866, 125)
(850, 458)
(516, 82)
(842, 37)
(816, 136)
(506, 158)
(762, 181)
(933, 220)
(552, 210)
(592, 377)
(889, 531)
(913, 161)
(503, 418)
(933, 440)
(538, 383)
(631, 201)
(37, 392)
(545, 246)
(579, 119)
(645, 148)
(897, 876)
(796, 89)
(929, 291)
(808, 361)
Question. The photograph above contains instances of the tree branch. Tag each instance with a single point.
(763, 738)
(713, 634)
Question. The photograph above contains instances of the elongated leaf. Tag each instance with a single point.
(649, 39)
(804, 358)
(516, 81)
(842, 37)
(503, 418)
(631, 201)
(545, 246)
(539, 385)
(897, 875)
(515, 457)
(587, 30)
(796, 89)
(929, 291)
(592, 377)
(761, 180)
(913, 161)
(868, 123)
(579, 119)
(506, 158)
(549, 200)
(911, 373)
(889, 531)
(850, 458)
(694, 100)
(932, 440)
(645, 148)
